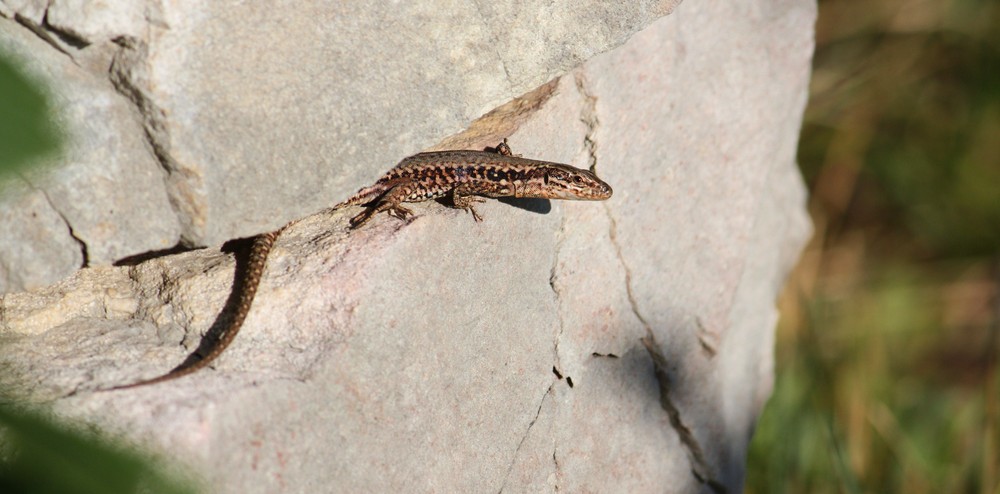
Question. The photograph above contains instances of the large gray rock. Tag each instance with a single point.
(105, 185)
(616, 346)
(248, 137)
(29, 219)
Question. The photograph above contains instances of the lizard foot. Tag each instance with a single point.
(475, 215)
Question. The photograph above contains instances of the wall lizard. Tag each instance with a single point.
(464, 177)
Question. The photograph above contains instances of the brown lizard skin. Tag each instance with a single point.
(463, 176)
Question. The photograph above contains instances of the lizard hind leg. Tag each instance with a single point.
(390, 202)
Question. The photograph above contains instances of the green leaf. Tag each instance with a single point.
(26, 131)
(40, 456)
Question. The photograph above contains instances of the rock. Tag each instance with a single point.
(105, 185)
(249, 138)
(623, 345)
(33, 10)
(28, 221)
(91, 21)
(377, 82)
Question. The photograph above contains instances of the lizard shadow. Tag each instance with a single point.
(240, 248)
(136, 259)
(534, 205)
(539, 206)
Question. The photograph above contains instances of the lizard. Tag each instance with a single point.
(463, 176)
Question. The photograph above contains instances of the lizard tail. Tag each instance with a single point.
(245, 294)
(363, 196)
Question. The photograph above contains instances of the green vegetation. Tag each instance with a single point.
(26, 130)
(38, 455)
(887, 372)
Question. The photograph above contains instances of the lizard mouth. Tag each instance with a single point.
(597, 192)
(590, 194)
(602, 192)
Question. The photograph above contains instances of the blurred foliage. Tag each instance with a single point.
(887, 375)
(36, 454)
(26, 130)
(40, 456)
(904, 119)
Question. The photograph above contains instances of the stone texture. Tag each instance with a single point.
(251, 138)
(27, 220)
(92, 21)
(105, 184)
(378, 81)
(442, 354)
(33, 10)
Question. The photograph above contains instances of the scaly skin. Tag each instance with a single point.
(465, 175)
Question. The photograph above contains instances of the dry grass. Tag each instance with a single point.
(887, 372)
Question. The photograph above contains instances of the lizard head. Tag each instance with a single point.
(557, 181)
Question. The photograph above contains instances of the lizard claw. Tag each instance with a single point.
(400, 212)
(475, 215)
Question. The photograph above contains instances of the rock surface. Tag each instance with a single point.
(105, 185)
(242, 138)
(623, 345)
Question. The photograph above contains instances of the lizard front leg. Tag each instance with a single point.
(504, 149)
(462, 198)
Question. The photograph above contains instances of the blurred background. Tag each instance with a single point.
(887, 351)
